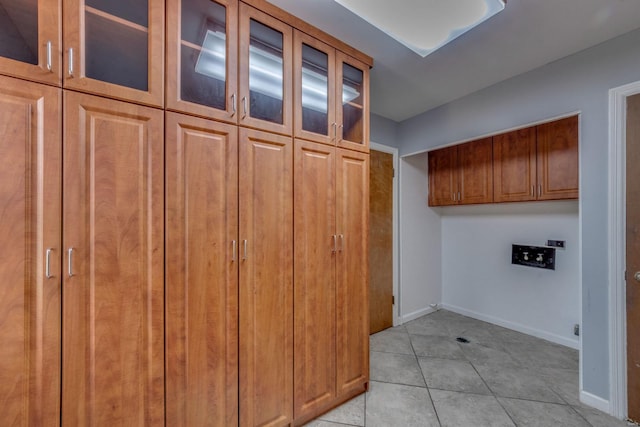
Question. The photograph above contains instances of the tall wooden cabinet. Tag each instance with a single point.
(113, 299)
(30, 179)
(266, 278)
(331, 281)
(201, 272)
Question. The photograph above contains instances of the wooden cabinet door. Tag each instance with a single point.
(265, 72)
(30, 40)
(314, 89)
(558, 159)
(202, 58)
(115, 48)
(266, 278)
(352, 267)
(352, 106)
(443, 176)
(201, 272)
(514, 166)
(30, 156)
(315, 278)
(113, 300)
(476, 172)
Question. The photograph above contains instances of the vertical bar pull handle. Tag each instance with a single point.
(244, 107)
(244, 250)
(539, 190)
(335, 244)
(233, 105)
(341, 242)
(70, 62)
(459, 196)
(49, 66)
(70, 261)
(533, 191)
(47, 265)
(233, 251)
(335, 130)
(341, 132)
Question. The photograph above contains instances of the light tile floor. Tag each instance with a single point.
(421, 376)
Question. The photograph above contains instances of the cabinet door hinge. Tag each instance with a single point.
(393, 173)
(393, 300)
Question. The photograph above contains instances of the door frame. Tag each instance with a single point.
(397, 320)
(617, 248)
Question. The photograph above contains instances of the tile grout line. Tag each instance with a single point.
(433, 405)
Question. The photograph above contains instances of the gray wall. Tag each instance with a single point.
(384, 131)
(577, 83)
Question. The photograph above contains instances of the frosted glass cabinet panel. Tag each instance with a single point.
(30, 39)
(202, 58)
(314, 83)
(353, 113)
(115, 48)
(265, 71)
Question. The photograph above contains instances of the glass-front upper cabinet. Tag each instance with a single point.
(314, 89)
(265, 72)
(352, 78)
(30, 39)
(115, 48)
(202, 58)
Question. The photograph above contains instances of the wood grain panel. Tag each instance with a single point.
(49, 30)
(266, 279)
(443, 176)
(30, 155)
(475, 163)
(352, 292)
(558, 159)
(514, 166)
(113, 307)
(633, 257)
(315, 277)
(201, 272)
(381, 241)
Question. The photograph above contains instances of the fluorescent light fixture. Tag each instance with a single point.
(424, 25)
(211, 60)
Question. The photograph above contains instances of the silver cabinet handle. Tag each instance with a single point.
(533, 191)
(70, 261)
(47, 264)
(341, 242)
(233, 105)
(70, 62)
(335, 130)
(453, 196)
(244, 107)
(341, 132)
(233, 251)
(244, 250)
(335, 244)
(459, 197)
(49, 66)
(539, 190)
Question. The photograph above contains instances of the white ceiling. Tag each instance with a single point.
(526, 35)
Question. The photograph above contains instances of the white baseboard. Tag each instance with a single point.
(575, 344)
(595, 401)
(415, 314)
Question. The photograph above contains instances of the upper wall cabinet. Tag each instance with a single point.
(330, 95)
(202, 58)
(30, 39)
(537, 163)
(462, 174)
(115, 48)
(352, 113)
(265, 76)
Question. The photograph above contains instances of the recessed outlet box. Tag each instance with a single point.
(534, 256)
(556, 243)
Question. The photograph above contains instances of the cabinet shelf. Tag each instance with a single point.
(115, 19)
